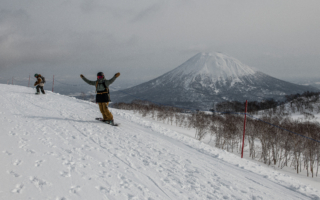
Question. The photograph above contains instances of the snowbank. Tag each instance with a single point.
(52, 148)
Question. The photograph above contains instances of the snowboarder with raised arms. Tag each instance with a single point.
(39, 83)
(103, 96)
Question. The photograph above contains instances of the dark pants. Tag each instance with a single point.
(40, 88)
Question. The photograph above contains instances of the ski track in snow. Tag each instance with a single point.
(53, 148)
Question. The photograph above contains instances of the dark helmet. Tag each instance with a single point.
(100, 74)
(35, 75)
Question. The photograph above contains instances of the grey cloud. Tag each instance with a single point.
(153, 36)
(89, 5)
(13, 16)
(11, 22)
(148, 12)
(116, 10)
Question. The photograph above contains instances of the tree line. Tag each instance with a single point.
(267, 143)
(306, 100)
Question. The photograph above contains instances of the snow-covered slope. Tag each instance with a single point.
(207, 78)
(52, 148)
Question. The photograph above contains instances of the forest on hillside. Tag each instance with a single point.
(272, 135)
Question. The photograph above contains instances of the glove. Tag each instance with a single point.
(117, 75)
(81, 75)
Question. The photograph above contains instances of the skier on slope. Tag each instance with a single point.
(103, 96)
(39, 83)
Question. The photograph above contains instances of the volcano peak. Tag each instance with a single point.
(215, 66)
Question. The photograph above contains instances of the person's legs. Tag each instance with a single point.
(109, 115)
(38, 89)
(101, 107)
(105, 111)
(42, 90)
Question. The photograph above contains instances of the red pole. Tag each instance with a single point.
(29, 81)
(244, 128)
(12, 80)
(53, 83)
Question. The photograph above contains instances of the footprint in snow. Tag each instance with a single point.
(12, 133)
(29, 151)
(62, 198)
(65, 174)
(18, 188)
(75, 189)
(13, 174)
(50, 153)
(103, 189)
(17, 162)
(38, 163)
(7, 152)
(38, 182)
(26, 133)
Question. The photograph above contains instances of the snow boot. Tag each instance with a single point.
(109, 122)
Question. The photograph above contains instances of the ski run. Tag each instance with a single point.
(53, 148)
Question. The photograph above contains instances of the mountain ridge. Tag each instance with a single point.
(207, 78)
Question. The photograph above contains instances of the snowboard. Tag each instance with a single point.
(114, 124)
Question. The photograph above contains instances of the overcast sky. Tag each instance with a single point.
(143, 39)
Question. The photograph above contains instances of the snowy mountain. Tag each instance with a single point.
(52, 148)
(207, 78)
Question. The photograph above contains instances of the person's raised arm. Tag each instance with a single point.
(109, 82)
(87, 81)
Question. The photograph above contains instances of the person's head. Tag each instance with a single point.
(100, 75)
(36, 75)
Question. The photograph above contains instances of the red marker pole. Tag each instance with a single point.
(53, 83)
(12, 80)
(244, 128)
(29, 81)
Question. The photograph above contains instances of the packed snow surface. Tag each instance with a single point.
(52, 148)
